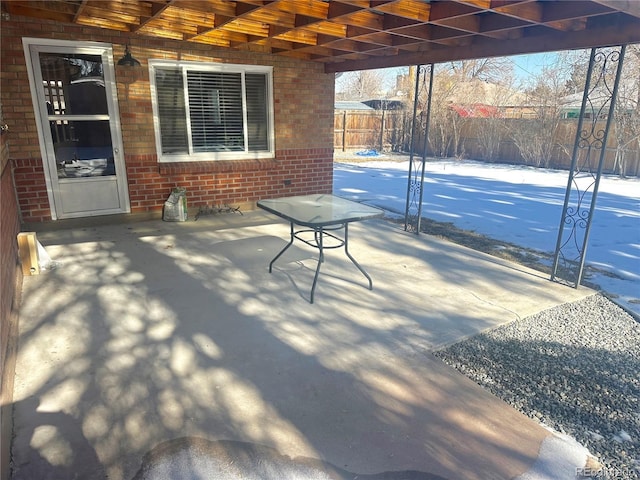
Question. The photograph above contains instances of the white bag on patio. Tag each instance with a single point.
(175, 208)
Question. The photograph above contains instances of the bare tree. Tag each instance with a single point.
(626, 125)
(498, 70)
(536, 136)
(459, 88)
(627, 113)
(446, 124)
(491, 128)
(361, 85)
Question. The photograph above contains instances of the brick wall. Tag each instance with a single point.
(10, 281)
(303, 108)
(31, 188)
(238, 182)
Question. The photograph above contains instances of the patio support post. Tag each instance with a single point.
(382, 126)
(415, 181)
(412, 147)
(344, 130)
(584, 176)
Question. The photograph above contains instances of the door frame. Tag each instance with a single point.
(46, 145)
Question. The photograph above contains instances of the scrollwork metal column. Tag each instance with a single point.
(415, 182)
(587, 160)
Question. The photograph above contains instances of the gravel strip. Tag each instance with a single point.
(574, 368)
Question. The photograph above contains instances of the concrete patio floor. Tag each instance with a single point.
(153, 339)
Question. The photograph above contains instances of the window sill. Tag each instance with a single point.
(217, 166)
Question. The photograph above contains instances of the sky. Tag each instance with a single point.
(518, 204)
(525, 67)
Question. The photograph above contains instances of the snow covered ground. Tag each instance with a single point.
(518, 204)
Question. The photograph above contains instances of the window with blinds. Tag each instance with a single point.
(205, 112)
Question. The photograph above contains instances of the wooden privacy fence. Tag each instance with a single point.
(563, 141)
(380, 130)
(391, 131)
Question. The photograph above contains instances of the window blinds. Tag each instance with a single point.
(216, 112)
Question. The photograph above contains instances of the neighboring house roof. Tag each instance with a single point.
(599, 98)
(477, 110)
(351, 105)
(574, 100)
(385, 104)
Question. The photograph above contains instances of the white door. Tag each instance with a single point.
(75, 100)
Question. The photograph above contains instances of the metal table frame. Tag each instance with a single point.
(323, 216)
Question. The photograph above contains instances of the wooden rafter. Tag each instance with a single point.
(358, 34)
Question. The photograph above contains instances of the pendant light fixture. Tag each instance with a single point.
(128, 60)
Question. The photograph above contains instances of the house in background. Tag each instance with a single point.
(627, 101)
(386, 103)
(351, 105)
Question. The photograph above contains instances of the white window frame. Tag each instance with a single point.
(192, 156)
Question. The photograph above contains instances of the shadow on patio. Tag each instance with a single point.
(153, 331)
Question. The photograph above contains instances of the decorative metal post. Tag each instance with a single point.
(598, 103)
(415, 182)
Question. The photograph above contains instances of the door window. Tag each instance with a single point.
(78, 114)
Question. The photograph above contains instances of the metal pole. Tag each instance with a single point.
(574, 160)
(413, 132)
(344, 130)
(382, 127)
(589, 138)
(603, 153)
(424, 149)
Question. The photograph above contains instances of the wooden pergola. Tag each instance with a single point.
(349, 35)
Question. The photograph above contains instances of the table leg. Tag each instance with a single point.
(319, 233)
(346, 249)
(283, 250)
(319, 244)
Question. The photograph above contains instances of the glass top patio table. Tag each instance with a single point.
(322, 215)
(319, 210)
